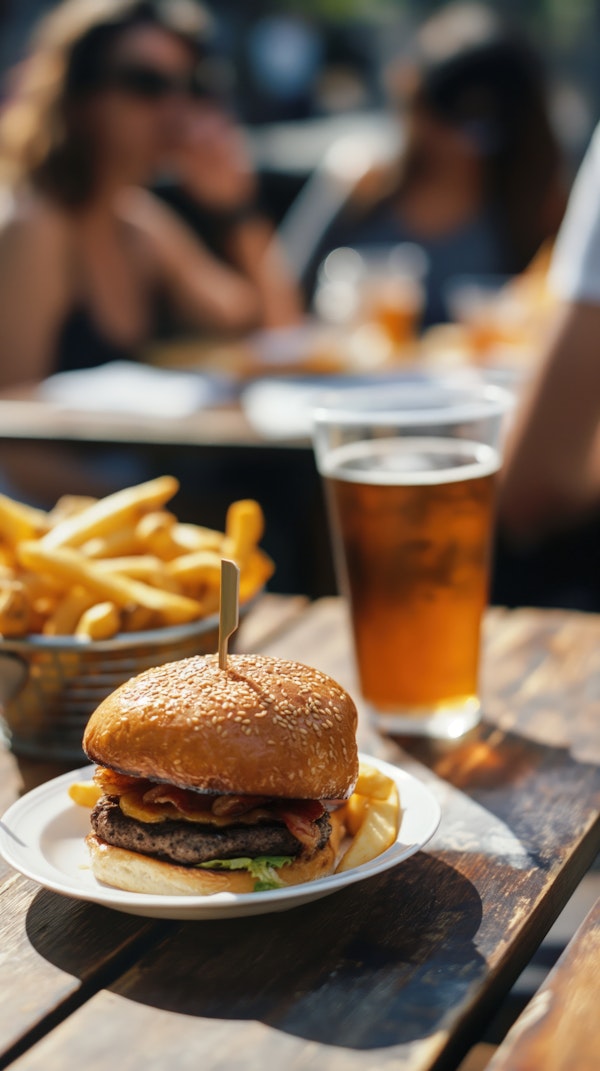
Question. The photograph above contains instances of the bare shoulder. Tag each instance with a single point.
(150, 217)
(32, 227)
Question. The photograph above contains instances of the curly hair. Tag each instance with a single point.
(43, 143)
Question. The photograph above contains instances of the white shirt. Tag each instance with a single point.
(575, 269)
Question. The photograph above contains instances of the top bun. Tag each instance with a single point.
(263, 726)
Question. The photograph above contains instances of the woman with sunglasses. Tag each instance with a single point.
(479, 181)
(105, 102)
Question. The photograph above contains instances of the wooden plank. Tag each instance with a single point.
(402, 971)
(54, 952)
(560, 1028)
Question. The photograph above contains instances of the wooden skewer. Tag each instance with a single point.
(229, 611)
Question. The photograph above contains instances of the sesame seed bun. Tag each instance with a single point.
(134, 872)
(264, 726)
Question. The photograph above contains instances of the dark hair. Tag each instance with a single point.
(482, 77)
(41, 142)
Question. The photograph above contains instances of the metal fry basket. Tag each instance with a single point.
(49, 685)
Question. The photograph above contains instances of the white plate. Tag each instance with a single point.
(42, 836)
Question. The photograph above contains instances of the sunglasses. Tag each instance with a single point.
(149, 83)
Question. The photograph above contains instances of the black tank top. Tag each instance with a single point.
(82, 344)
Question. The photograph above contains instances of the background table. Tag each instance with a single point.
(402, 971)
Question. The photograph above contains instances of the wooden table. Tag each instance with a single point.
(25, 417)
(560, 1028)
(400, 972)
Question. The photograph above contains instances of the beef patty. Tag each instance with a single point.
(187, 844)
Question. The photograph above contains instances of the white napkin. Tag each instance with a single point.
(127, 387)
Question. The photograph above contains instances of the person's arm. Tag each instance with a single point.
(215, 170)
(254, 248)
(33, 296)
(205, 292)
(552, 466)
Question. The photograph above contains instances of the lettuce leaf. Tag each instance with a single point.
(262, 868)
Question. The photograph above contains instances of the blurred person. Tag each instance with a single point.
(552, 471)
(549, 516)
(218, 194)
(105, 101)
(479, 184)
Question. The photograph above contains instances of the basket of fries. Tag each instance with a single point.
(94, 592)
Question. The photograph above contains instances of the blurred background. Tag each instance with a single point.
(304, 71)
(372, 191)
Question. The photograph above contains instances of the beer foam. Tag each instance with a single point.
(411, 461)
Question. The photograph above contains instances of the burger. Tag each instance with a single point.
(216, 780)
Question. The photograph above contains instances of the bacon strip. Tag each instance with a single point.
(232, 806)
(113, 783)
(300, 816)
(182, 799)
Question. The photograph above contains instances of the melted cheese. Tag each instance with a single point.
(132, 804)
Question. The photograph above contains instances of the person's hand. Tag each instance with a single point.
(213, 163)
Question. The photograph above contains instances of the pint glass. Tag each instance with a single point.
(410, 475)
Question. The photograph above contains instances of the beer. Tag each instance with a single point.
(412, 521)
(395, 305)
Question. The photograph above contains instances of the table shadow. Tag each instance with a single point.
(539, 792)
(379, 964)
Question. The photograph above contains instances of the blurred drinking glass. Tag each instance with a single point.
(494, 311)
(410, 474)
(379, 285)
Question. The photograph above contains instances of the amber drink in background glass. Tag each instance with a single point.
(391, 293)
(410, 477)
(395, 305)
(379, 285)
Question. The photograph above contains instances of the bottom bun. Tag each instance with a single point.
(139, 873)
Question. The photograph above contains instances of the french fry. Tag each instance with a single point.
(373, 783)
(171, 608)
(63, 621)
(255, 573)
(144, 567)
(85, 793)
(115, 511)
(154, 534)
(100, 622)
(128, 550)
(209, 602)
(201, 566)
(138, 566)
(8, 558)
(121, 542)
(140, 619)
(69, 506)
(18, 521)
(190, 537)
(14, 610)
(244, 527)
(377, 832)
(74, 569)
(40, 586)
(354, 812)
